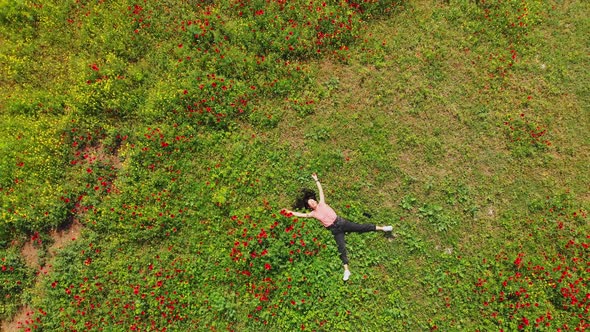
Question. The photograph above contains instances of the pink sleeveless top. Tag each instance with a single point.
(325, 214)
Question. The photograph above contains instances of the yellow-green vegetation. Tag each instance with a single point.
(176, 132)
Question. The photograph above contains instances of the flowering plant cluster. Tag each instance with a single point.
(513, 18)
(507, 26)
(128, 287)
(31, 175)
(526, 136)
(541, 288)
(522, 286)
(15, 276)
(264, 259)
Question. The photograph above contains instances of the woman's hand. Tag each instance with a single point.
(314, 176)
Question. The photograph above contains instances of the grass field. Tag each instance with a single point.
(148, 150)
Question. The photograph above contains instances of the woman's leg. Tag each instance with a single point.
(349, 226)
(341, 243)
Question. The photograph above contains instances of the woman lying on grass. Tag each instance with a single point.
(337, 225)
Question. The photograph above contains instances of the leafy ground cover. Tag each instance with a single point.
(175, 134)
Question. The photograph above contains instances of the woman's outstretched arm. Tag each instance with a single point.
(299, 214)
(320, 191)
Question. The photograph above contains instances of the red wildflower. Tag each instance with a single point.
(267, 266)
(518, 260)
(525, 321)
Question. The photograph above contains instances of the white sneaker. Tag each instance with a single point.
(346, 275)
(387, 228)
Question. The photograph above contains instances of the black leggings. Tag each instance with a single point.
(342, 226)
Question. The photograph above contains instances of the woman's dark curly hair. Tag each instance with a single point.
(304, 196)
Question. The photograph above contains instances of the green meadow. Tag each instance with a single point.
(148, 150)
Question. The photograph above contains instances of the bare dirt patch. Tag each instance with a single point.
(20, 321)
(30, 254)
(101, 154)
(63, 237)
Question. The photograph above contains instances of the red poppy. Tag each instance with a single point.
(525, 321)
(518, 261)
